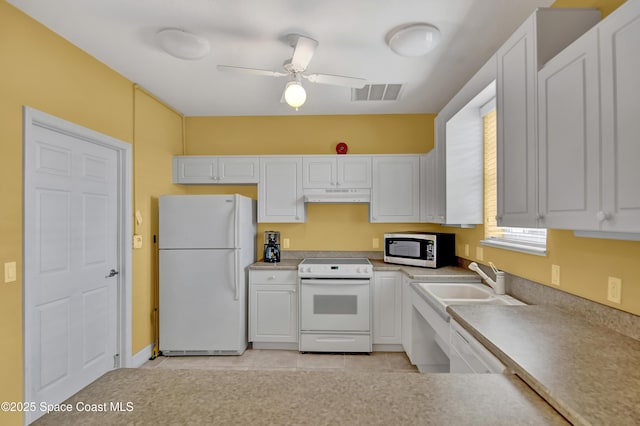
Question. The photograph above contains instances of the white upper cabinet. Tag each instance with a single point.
(620, 97)
(336, 171)
(280, 190)
(395, 192)
(543, 35)
(428, 187)
(589, 127)
(204, 169)
(569, 138)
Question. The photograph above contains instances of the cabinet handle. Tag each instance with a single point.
(540, 217)
(602, 216)
(272, 277)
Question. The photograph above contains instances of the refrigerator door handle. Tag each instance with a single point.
(236, 223)
(236, 269)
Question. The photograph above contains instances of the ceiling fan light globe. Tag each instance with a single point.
(294, 94)
(413, 39)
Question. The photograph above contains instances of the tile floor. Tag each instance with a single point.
(289, 360)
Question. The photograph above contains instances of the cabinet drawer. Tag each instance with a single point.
(336, 342)
(273, 277)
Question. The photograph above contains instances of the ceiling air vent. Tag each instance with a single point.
(376, 92)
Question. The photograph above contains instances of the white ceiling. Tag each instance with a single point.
(251, 33)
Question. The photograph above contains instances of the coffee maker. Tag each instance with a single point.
(271, 246)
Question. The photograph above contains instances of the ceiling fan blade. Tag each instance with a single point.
(337, 80)
(303, 50)
(252, 71)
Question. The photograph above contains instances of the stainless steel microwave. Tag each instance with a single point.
(426, 249)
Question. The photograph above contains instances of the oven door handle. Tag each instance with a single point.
(329, 281)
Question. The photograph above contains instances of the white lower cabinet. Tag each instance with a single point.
(387, 308)
(273, 306)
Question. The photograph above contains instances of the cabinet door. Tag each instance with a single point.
(238, 170)
(354, 172)
(407, 310)
(319, 171)
(273, 313)
(428, 197)
(620, 85)
(195, 170)
(516, 128)
(387, 308)
(569, 137)
(280, 190)
(395, 192)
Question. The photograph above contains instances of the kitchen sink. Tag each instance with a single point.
(445, 294)
(458, 291)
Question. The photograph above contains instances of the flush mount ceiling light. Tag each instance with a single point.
(294, 94)
(413, 39)
(182, 44)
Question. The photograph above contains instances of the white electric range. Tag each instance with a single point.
(335, 305)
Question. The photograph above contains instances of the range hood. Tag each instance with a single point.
(331, 195)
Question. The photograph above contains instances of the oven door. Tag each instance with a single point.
(334, 305)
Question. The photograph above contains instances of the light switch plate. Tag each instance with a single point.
(479, 253)
(285, 243)
(466, 250)
(9, 272)
(137, 241)
(375, 243)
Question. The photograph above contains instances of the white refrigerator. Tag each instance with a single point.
(206, 244)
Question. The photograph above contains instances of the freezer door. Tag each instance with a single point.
(198, 307)
(197, 221)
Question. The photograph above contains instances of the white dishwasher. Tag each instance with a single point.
(467, 355)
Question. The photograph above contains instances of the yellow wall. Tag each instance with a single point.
(585, 263)
(41, 70)
(365, 134)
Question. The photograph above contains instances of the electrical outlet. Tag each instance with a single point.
(614, 290)
(9, 272)
(375, 243)
(479, 253)
(466, 250)
(555, 274)
(285, 243)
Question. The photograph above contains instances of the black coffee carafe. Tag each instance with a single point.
(271, 246)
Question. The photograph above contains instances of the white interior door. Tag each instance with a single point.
(71, 245)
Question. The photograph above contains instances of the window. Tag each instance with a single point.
(527, 240)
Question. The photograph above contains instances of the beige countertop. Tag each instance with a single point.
(590, 374)
(447, 273)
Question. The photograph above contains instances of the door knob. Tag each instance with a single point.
(112, 273)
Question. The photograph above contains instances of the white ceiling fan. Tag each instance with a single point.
(303, 49)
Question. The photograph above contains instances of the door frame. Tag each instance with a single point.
(31, 119)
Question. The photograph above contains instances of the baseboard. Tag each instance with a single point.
(387, 347)
(270, 345)
(137, 360)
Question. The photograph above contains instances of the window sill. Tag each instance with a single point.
(519, 247)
